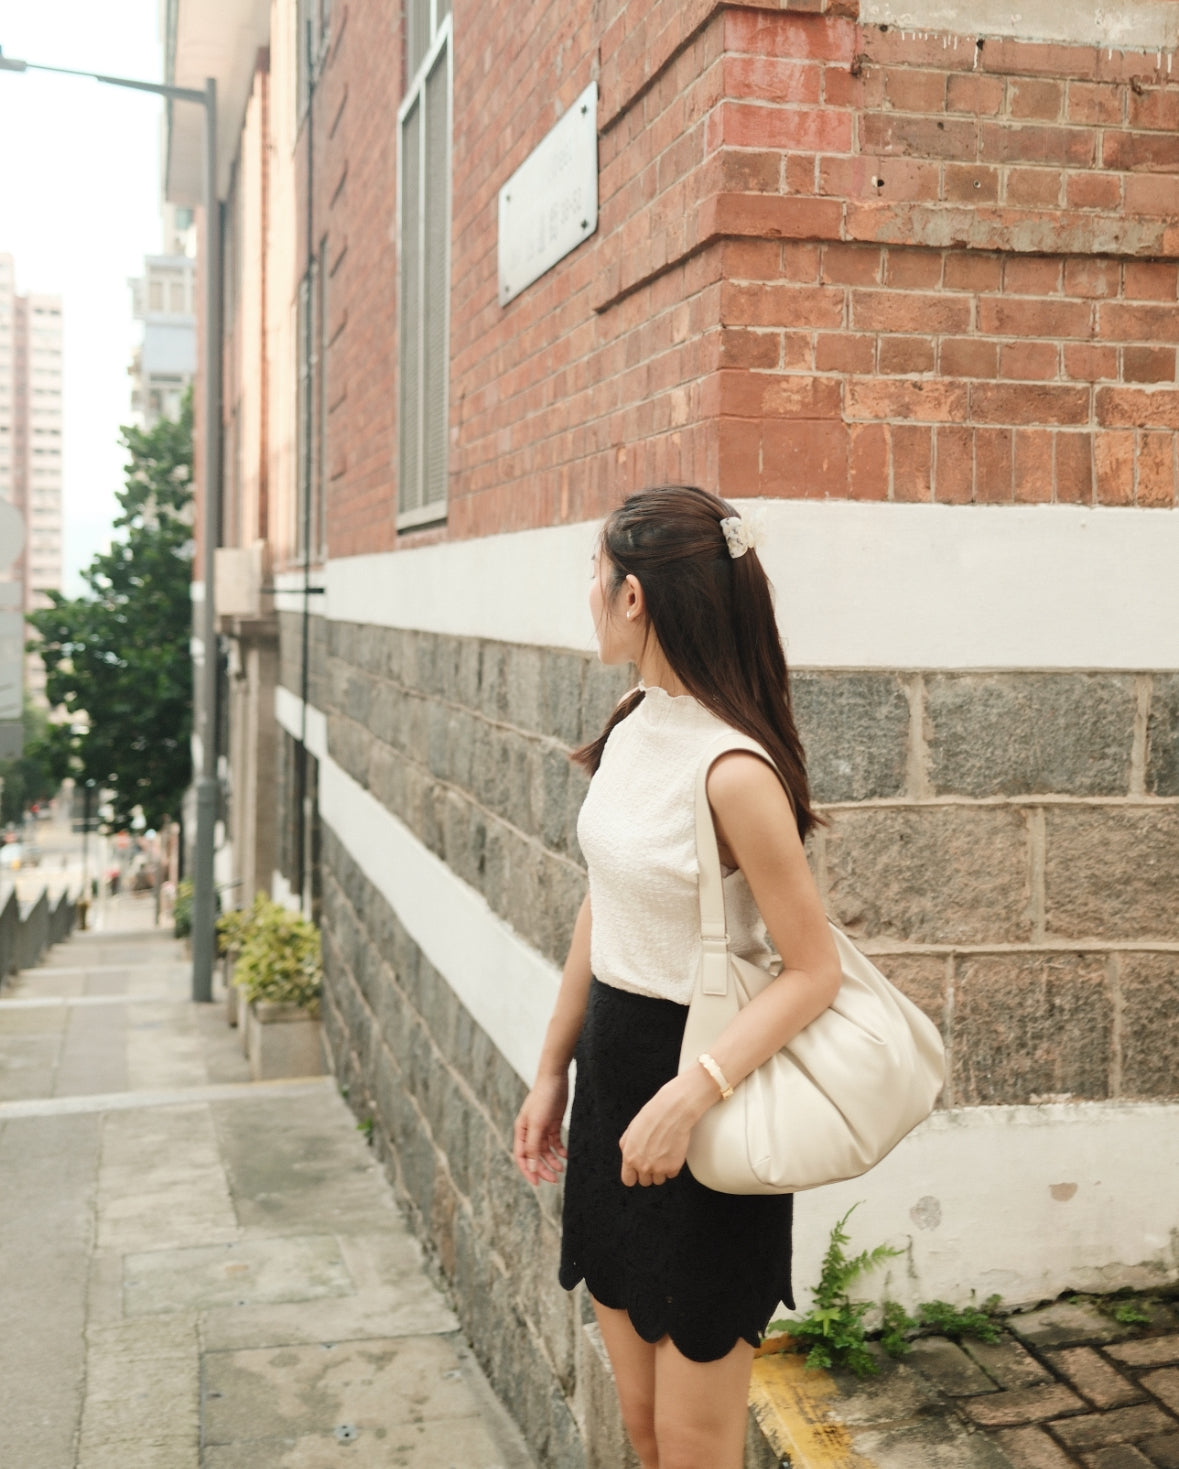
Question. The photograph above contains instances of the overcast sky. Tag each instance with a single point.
(79, 209)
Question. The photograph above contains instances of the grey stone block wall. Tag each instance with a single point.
(443, 1101)
(1007, 846)
(967, 815)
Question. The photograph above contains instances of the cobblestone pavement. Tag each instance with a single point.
(1066, 1387)
(198, 1271)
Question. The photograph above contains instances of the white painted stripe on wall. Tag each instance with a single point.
(1132, 25)
(287, 710)
(1025, 1201)
(857, 586)
(288, 591)
(506, 985)
(525, 587)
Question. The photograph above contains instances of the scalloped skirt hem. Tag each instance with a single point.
(704, 1268)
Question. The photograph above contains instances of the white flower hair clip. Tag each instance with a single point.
(743, 532)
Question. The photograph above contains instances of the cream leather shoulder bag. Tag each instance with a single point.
(838, 1096)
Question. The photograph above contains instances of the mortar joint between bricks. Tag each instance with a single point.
(1139, 751)
(917, 782)
(1113, 970)
(1037, 899)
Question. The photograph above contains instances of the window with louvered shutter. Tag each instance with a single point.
(423, 323)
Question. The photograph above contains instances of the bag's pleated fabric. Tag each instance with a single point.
(707, 1269)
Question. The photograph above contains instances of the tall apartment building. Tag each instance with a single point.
(31, 440)
(908, 275)
(164, 363)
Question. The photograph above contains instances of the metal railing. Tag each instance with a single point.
(28, 929)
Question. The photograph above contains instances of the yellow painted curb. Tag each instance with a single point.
(796, 1409)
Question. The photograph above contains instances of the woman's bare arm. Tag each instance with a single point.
(537, 1146)
(756, 827)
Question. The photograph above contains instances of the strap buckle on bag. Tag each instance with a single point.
(714, 965)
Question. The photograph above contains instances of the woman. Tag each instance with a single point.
(683, 1279)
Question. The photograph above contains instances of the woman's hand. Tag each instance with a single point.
(655, 1144)
(537, 1146)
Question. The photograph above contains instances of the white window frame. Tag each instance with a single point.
(415, 95)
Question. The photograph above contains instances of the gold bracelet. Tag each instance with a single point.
(717, 1075)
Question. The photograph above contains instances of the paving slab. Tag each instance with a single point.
(1162, 1451)
(1091, 1375)
(1155, 1351)
(168, 1223)
(1066, 1324)
(236, 1273)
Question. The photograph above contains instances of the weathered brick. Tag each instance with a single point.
(969, 271)
(912, 461)
(981, 95)
(948, 1367)
(954, 465)
(909, 311)
(970, 183)
(1042, 403)
(1163, 1450)
(1093, 1377)
(1094, 102)
(1021, 1405)
(1028, 1027)
(968, 357)
(1034, 474)
(855, 730)
(1118, 1456)
(909, 354)
(1074, 468)
(1029, 362)
(1151, 1351)
(1149, 986)
(1035, 99)
(1032, 1448)
(936, 874)
(1114, 458)
(1006, 1362)
(1148, 364)
(1033, 187)
(918, 137)
(1117, 1425)
(1034, 318)
(1089, 363)
(1066, 1324)
(1052, 733)
(1084, 845)
(845, 352)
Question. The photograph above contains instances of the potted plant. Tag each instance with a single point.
(278, 971)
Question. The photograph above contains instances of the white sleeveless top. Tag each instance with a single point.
(637, 829)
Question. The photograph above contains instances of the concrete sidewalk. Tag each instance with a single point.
(197, 1271)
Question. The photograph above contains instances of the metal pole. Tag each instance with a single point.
(203, 908)
(310, 401)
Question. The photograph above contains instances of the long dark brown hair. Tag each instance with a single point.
(713, 615)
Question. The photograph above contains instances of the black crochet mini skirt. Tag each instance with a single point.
(706, 1269)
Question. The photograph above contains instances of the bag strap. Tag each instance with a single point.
(714, 936)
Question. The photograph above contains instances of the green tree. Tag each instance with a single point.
(32, 775)
(117, 658)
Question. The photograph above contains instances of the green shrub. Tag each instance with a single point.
(832, 1332)
(182, 910)
(279, 959)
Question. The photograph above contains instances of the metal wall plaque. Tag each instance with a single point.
(550, 204)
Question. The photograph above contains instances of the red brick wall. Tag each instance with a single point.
(832, 260)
